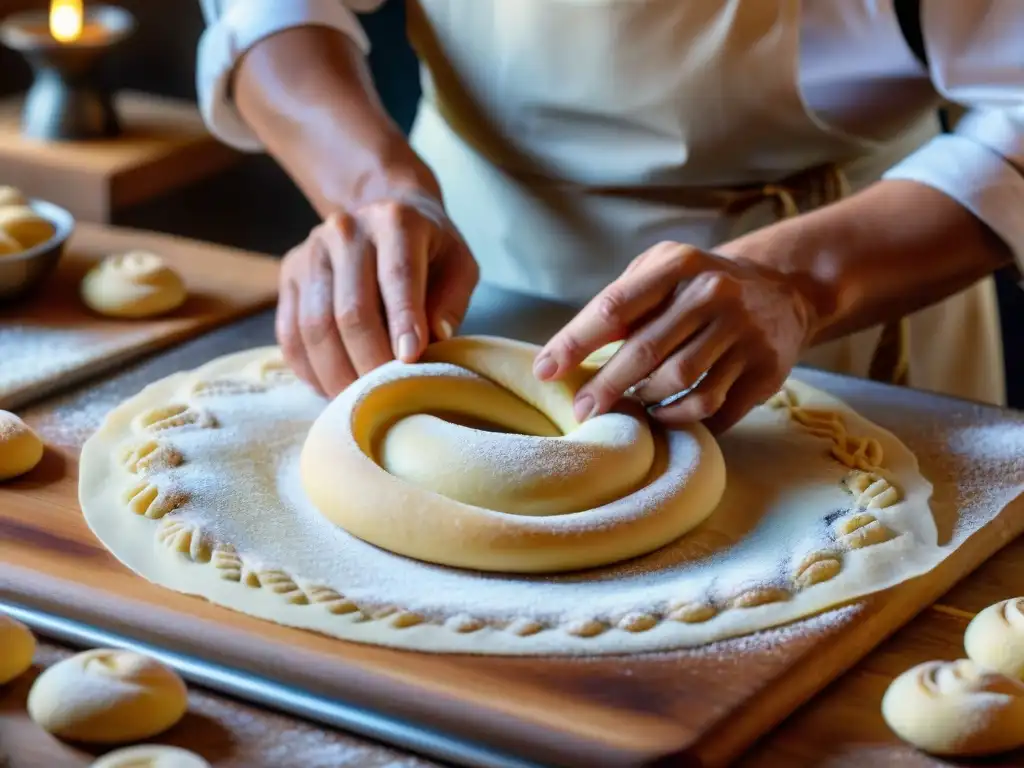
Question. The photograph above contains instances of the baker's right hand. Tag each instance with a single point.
(374, 285)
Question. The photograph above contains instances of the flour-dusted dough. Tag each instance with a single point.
(151, 756)
(10, 196)
(195, 484)
(20, 447)
(956, 708)
(553, 496)
(24, 225)
(133, 285)
(107, 696)
(995, 638)
(17, 648)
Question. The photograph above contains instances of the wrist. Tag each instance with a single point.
(793, 252)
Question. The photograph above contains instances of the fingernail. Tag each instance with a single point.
(544, 367)
(408, 343)
(584, 408)
(445, 329)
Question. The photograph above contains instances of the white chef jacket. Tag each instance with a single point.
(855, 73)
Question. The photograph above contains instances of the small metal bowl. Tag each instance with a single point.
(21, 272)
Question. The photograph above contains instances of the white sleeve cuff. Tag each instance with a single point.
(975, 176)
(241, 26)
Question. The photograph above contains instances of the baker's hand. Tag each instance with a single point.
(372, 286)
(727, 328)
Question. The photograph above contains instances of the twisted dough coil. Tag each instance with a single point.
(399, 461)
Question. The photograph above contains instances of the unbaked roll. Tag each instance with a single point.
(956, 708)
(133, 285)
(20, 447)
(107, 696)
(24, 225)
(17, 648)
(11, 196)
(151, 756)
(995, 638)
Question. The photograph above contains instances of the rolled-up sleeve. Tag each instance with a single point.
(976, 60)
(234, 26)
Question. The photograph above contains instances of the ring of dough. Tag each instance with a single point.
(554, 495)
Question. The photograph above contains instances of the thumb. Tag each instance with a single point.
(453, 278)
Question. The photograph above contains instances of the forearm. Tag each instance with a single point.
(307, 94)
(887, 251)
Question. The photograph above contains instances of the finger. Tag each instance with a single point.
(320, 336)
(402, 240)
(709, 396)
(644, 354)
(683, 368)
(453, 279)
(289, 338)
(357, 310)
(609, 316)
(749, 391)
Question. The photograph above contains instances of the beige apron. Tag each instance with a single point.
(570, 135)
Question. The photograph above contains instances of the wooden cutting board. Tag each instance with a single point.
(52, 340)
(699, 707)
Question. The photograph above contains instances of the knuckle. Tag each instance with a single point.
(353, 317)
(396, 272)
(571, 348)
(646, 354)
(316, 325)
(706, 404)
(680, 256)
(612, 308)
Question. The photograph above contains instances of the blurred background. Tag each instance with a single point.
(254, 205)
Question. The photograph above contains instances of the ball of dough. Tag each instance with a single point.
(20, 448)
(995, 638)
(25, 225)
(131, 285)
(11, 196)
(9, 246)
(151, 756)
(107, 696)
(17, 647)
(956, 708)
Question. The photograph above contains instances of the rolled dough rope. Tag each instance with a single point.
(956, 708)
(995, 638)
(556, 496)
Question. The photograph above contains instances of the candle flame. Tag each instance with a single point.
(66, 20)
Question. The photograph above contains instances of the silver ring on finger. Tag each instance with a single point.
(675, 398)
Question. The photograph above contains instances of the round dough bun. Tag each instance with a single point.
(107, 696)
(151, 756)
(17, 648)
(25, 226)
(995, 638)
(11, 196)
(467, 460)
(133, 285)
(956, 708)
(20, 448)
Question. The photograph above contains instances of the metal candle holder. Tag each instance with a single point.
(68, 100)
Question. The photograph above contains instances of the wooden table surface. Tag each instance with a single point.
(840, 727)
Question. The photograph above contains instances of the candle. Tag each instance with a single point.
(65, 47)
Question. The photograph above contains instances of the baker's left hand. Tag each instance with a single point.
(727, 328)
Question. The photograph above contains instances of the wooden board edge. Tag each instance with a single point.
(887, 613)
